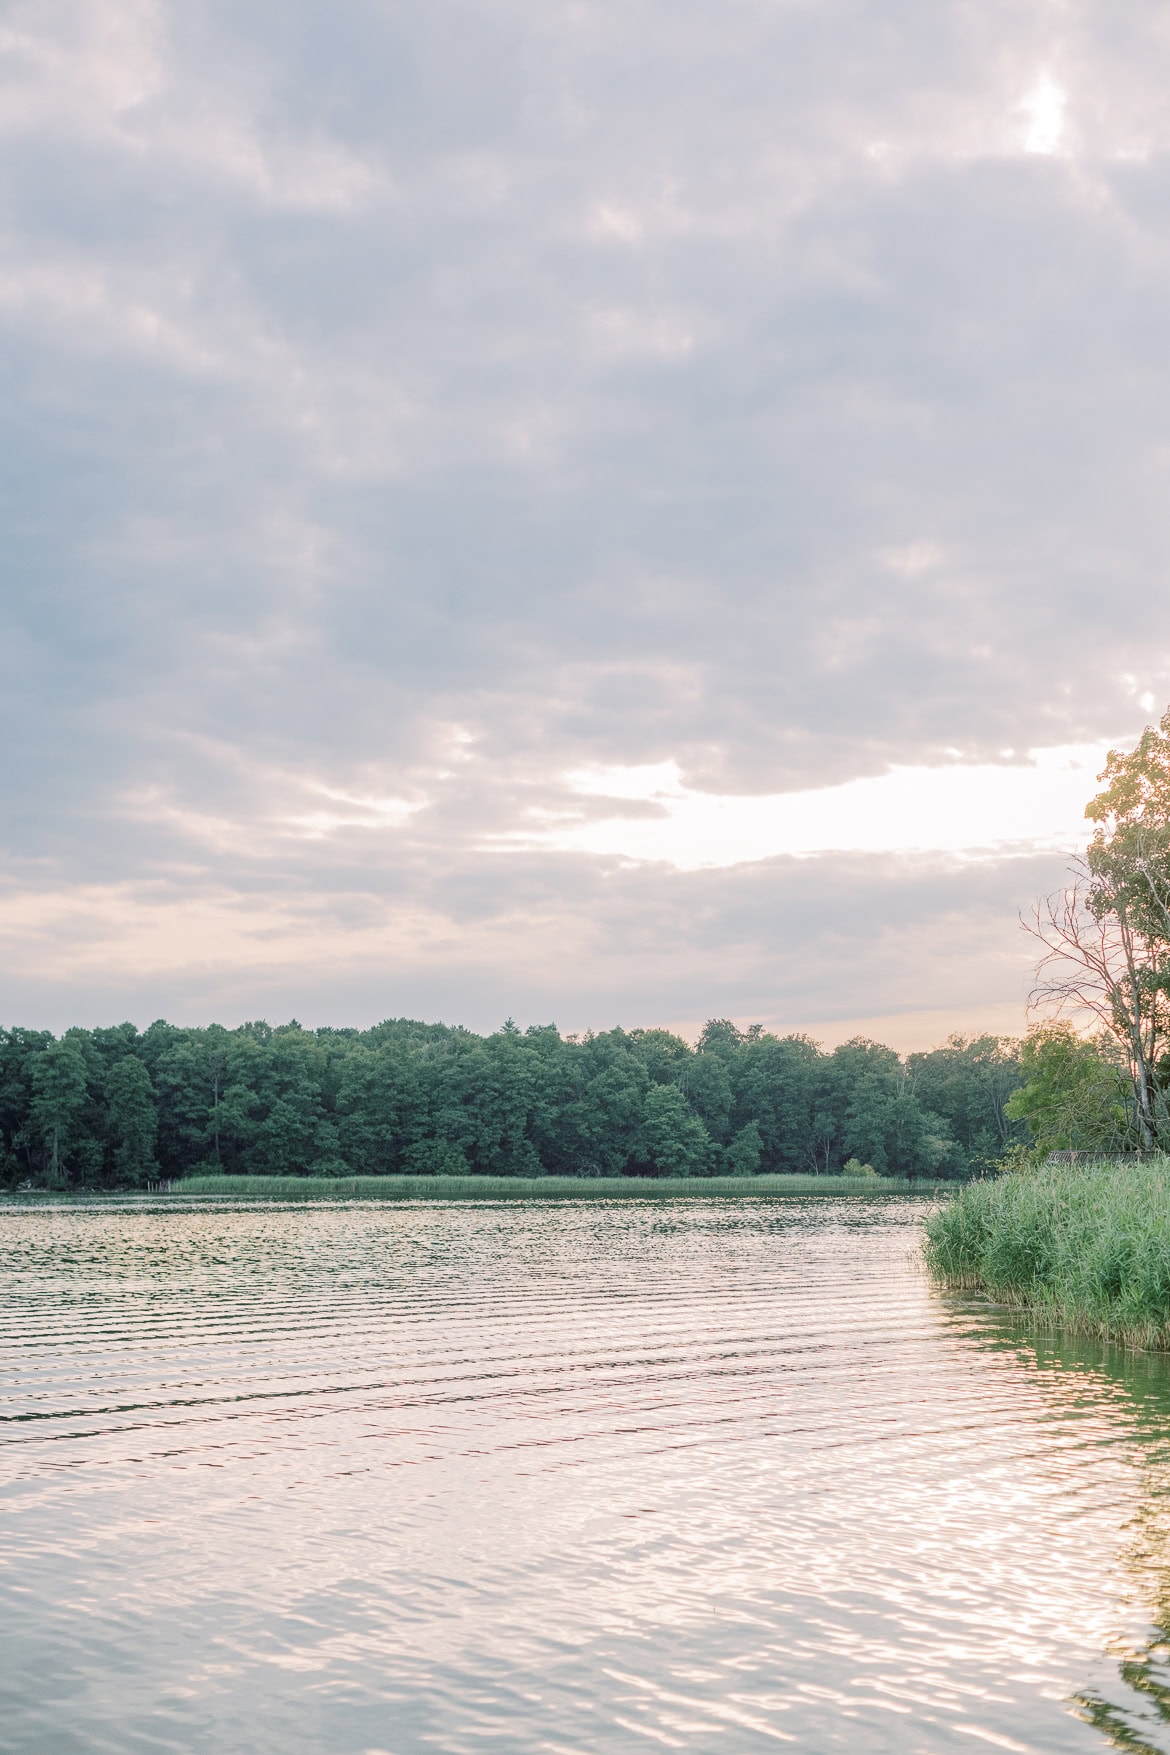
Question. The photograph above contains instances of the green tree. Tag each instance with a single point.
(706, 1083)
(867, 1110)
(674, 1140)
(1129, 855)
(190, 1075)
(133, 1120)
(721, 1036)
(59, 1092)
(774, 1082)
(742, 1156)
(600, 1126)
(967, 1082)
(369, 1109)
(494, 1087)
(1076, 1094)
(663, 1054)
(19, 1050)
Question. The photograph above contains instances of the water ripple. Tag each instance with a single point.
(721, 1476)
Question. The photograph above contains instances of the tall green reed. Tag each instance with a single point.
(1088, 1245)
(288, 1188)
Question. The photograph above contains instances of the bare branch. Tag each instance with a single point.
(1096, 966)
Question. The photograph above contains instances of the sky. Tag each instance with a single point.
(593, 512)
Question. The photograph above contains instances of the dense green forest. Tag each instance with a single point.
(116, 1107)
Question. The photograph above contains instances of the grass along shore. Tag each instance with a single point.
(1086, 1246)
(293, 1188)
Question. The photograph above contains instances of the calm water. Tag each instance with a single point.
(703, 1477)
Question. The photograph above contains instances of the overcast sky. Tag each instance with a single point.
(607, 512)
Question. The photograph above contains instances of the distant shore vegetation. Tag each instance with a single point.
(120, 1108)
(286, 1189)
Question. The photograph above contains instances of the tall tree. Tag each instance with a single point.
(59, 1092)
(133, 1119)
(742, 1156)
(1106, 937)
(969, 1082)
(674, 1140)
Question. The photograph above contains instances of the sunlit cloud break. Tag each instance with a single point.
(972, 809)
(1044, 107)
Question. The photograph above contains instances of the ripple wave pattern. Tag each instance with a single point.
(709, 1477)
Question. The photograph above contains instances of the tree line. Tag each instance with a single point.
(118, 1107)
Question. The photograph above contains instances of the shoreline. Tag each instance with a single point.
(293, 1189)
(1048, 1314)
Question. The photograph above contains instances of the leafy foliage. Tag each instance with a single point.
(115, 1107)
(1076, 1094)
(1129, 855)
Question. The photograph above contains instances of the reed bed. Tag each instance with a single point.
(1087, 1246)
(295, 1188)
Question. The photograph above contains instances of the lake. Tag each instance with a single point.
(702, 1476)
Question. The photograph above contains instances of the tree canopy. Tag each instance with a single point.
(118, 1107)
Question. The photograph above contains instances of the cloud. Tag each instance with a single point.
(827, 945)
(1044, 107)
(408, 409)
(985, 809)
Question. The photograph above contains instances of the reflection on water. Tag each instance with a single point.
(1133, 1707)
(706, 1477)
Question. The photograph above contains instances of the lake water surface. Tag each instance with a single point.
(701, 1476)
